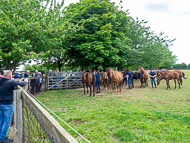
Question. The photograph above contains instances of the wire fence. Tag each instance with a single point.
(33, 124)
(32, 130)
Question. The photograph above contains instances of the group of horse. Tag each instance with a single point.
(117, 78)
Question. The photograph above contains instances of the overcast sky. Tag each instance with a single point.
(169, 16)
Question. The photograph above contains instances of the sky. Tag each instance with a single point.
(169, 16)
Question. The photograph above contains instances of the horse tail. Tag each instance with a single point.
(184, 75)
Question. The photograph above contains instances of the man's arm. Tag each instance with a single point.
(20, 82)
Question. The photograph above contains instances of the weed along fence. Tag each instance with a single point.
(63, 80)
(32, 123)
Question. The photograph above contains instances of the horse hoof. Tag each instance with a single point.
(118, 93)
(112, 93)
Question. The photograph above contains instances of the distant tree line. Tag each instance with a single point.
(181, 66)
(90, 33)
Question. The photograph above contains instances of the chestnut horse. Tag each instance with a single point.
(169, 76)
(89, 79)
(105, 80)
(116, 77)
(181, 74)
(145, 74)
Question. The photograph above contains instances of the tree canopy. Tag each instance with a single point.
(90, 33)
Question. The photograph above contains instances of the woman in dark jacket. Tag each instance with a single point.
(33, 83)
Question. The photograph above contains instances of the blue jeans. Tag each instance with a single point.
(98, 86)
(124, 80)
(130, 83)
(153, 81)
(6, 112)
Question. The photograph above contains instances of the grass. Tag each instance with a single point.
(137, 115)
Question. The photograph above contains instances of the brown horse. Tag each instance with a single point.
(145, 74)
(169, 76)
(89, 79)
(116, 77)
(105, 80)
(181, 74)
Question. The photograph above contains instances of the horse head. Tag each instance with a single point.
(140, 69)
(158, 82)
(110, 71)
(157, 74)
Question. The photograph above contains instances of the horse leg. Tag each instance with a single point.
(175, 83)
(117, 88)
(84, 88)
(120, 86)
(104, 85)
(87, 87)
(145, 83)
(90, 90)
(169, 84)
(113, 88)
(181, 81)
(178, 83)
(132, 84)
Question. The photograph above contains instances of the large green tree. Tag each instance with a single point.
(26, 30)
(101, 35)
(148, 49)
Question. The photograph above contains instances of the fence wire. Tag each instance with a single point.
(33, 131)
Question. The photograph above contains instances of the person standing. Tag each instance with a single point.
(26, 76)
(98, 78)
(41, 82)
(129, 76)
(33, 83)
(37, 82)
(6, 103)
(152, 77)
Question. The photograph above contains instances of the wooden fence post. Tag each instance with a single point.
(18, 116)
(46, 81)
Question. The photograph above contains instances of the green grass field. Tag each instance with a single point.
(137, 115)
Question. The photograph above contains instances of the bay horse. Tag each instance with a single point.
(145, 74)
(181, 74)
(89, 79)
(105, 80)
(169, 76)
(140, 76)
(116, 77)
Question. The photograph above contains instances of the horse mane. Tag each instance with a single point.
(162, 75)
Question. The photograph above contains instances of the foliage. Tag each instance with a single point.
(34, 67)
(137, 115)
(100, 38)
(90, 33)
(181, 66)
(148, 49)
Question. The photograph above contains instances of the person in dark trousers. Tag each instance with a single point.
(7, 85)
(41, 81)
(129, 76)
(152, 77)
(33, 83)
(37, 82)
(98, 78)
